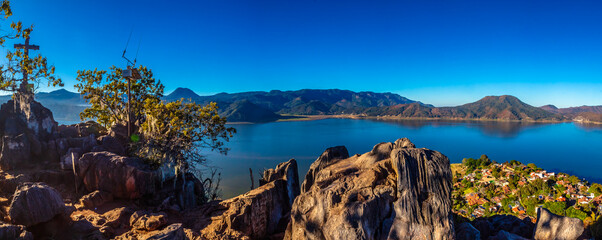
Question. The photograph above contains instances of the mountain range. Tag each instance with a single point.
(260, 106)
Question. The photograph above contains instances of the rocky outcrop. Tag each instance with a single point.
(491, 226)
(82, 130)
(329, 157)
(35, 203)
(395, 191)
(95, 199)
(552, 226)
(123, 177)
(141, 220)
(257, 214)
(171, 232)
(25, 129)
(17, 232)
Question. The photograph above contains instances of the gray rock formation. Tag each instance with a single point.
(127, 178)
(35, 203)
(288, 172)
(257, 214)
(395, 191)
(328, 157)
(552, 226)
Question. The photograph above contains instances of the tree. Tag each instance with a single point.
(170, 134)
(106, 92)
(596, 189)
(176, 132)
(36, 69)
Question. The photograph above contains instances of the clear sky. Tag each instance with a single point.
(438, 52)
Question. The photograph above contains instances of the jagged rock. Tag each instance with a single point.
(552, 226)
(287, 171)
(26, 127)
(18, 232)
(184, 192)
(69, 158)
(256, 214)
(171, 232)
(503, 235)
(141, 220)
(465, 231)
(32, 115)
(95, 199)
(123, 177)
(82, 130)
(329, 157)
(35, 203)
(395, 191)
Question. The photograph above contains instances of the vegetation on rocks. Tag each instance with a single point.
(484, 188)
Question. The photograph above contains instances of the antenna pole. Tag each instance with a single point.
(129, 107)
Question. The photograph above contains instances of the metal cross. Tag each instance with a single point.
(26, 47)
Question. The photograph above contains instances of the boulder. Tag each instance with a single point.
(35, 203)
(395, 191)
(142, 220)
(95, 199)
(111, 144)
(123, 177)
(257, 214)
(16, 152)
(69, 158)
(465, 231)
(120, 132)
(8, 232)
(552, 226)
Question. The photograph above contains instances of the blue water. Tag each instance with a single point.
(559, 147)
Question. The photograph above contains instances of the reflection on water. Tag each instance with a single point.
(566, 146)
(491, 128)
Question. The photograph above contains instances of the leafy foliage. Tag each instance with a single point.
(107, 94)
(176, 132)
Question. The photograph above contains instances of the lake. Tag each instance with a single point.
(560, 147)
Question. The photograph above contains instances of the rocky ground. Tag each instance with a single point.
(74, 182)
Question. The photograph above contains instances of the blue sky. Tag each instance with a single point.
(438, 52)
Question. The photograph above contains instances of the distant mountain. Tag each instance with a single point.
(573, 111)
(491, 107)
(246, 111)
(180, 93)
(270, 106)
(301, 102)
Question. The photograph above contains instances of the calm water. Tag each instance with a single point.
(566, 147)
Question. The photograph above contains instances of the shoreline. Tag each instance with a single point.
(354, 116)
